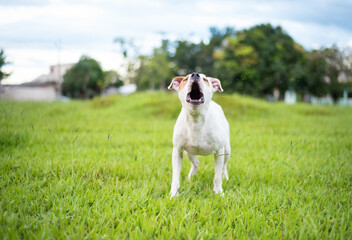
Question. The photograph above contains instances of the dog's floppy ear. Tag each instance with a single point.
(216, 84)
(175, 83)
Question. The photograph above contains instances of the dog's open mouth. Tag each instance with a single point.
(195, 96)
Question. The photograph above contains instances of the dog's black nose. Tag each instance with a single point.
(195, 75)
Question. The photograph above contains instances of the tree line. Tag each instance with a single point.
(252, 61)
(256, 61)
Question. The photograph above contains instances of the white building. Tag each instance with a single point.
(46, 87)
(290, 97)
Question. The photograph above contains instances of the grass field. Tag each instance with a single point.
(102, 169)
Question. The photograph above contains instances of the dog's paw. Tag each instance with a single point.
(221, 194)
(174, 191)
(218, 190)
(173, 194)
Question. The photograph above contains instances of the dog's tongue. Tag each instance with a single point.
(194, 101)
(195, 97)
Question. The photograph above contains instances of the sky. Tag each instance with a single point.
(39, 33)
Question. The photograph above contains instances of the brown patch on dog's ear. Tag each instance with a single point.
(183, 83)
(178, 83)
(206, 80)
(216, 84)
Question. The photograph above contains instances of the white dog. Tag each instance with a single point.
(201, 128)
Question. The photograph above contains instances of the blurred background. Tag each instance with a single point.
(275, 50)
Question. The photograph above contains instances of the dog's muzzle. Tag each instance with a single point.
(195, 96)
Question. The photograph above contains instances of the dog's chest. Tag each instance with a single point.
(199, 149)
(198, 143)
(200, 135)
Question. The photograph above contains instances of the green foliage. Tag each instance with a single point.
(327, 73)
(101, 169)
(154, 71)
(236, 67)
(3, 62)
(334, 67)
(84, 80)
(253, 61)
(190, 57)
(112, 78)
(316, 66)
(260, 59)
(186, 56)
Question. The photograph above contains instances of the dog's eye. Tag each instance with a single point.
(205, 79)
(185, 79)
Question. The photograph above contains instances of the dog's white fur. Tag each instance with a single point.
(200, 129)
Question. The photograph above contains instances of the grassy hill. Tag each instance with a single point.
(102, 169)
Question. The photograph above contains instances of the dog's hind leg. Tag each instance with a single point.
(194, 164)
(226, 158)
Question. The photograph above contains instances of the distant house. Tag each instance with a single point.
(290, 97)
(345, 100)
(324, 100)
(46, 87)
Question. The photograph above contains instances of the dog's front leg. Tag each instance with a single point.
(176, 170)
(219, 163)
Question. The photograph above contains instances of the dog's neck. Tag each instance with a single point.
(195, 121)
(196, 115)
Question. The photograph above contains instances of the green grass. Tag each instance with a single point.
(102, 169)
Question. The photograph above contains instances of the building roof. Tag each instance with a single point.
(55, 76)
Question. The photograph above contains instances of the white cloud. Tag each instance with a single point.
(349, 44)
(89, 27)
(314, 36)
(27, 64)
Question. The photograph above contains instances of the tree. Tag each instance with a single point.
(235, 67)
(334, 68)
(191, 57)
(206, 59)
(3, 62)
(264, 57)
(112, 78)
(327, 72)
(315, 83)
(84, 80)
(155, 70)
(186, 57)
